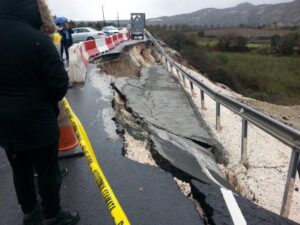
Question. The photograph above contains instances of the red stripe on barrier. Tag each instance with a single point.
(91, 48)
(120, 37)
(109, 42)
(115, 39)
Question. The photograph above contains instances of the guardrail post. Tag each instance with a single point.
(169, 67)
(192, 89)
(179, 75)
(244, 145)
(176, 72)
(161, 57)
(290, 183)
(184, 82)
(218, 116)
(202, 100)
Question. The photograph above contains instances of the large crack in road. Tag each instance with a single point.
(162, 127)
(165, 111)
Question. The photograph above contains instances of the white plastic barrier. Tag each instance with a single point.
(77, 69)
(101, 45)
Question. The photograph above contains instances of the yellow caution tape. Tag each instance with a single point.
(110, 199)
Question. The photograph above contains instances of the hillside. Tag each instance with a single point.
(284, 14)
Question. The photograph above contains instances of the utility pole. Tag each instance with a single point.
(103, 16)
(118, 19)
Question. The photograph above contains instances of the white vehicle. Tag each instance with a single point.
(109, 30)
(86, 34)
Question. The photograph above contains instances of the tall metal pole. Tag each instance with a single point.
(103, 16)
(118, 20)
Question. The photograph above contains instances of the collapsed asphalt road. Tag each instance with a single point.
(175, 128)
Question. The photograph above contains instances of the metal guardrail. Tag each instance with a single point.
(286, 134)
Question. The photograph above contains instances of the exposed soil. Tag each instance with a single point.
(129, 63)
(178, 58)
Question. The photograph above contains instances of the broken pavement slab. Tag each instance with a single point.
(179, 134)
(217, 212)
(185, 154)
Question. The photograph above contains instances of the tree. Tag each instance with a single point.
(72, 24)
(225, 42)
(275, 41)
(82, 24)
(288, 43)
(201, 33)
(233, 42)
(99, 26)
(171, 27)
(241, 42)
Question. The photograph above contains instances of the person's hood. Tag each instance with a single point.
(49, 26)
(25, 10)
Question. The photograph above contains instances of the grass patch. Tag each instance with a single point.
(207, 42)
(212, 42)
(269, 78)
(258, 45)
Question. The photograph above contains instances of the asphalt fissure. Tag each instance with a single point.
(182, 179)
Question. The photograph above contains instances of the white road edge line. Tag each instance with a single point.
(233, 207)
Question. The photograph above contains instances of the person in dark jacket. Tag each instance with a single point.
(32, 81)
(66, 41)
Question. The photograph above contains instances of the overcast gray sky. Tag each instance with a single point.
(91, 9)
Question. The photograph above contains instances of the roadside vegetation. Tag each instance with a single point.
(267, 70)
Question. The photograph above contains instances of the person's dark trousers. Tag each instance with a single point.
(299, 168)
(45, 163)
(65, 47)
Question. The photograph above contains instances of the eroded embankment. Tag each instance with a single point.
(154, 137)
(262, 181)
(129, 63)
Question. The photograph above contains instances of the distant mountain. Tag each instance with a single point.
(284, 14)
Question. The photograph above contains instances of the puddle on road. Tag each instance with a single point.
(109, 125)
(102, 83)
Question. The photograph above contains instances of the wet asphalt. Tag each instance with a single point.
(147, 194)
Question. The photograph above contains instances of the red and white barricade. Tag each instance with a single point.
(82, 52)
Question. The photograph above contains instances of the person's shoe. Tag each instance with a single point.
(63, 172)
(34, 218)
(64, 218)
